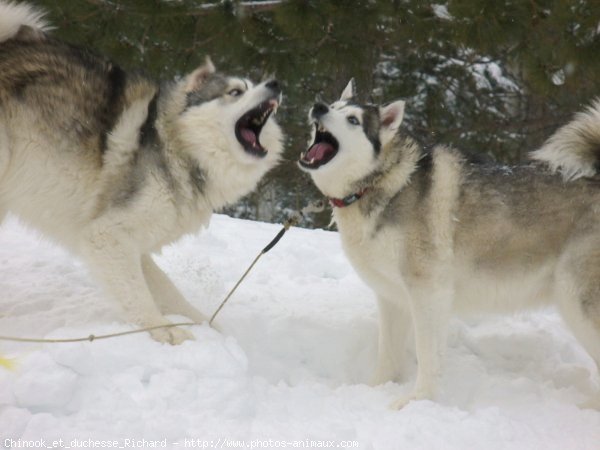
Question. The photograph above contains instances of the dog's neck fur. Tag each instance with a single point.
(205, 178)
(399, 160)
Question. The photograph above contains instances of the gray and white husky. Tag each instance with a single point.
(114, 165)
(431, 232)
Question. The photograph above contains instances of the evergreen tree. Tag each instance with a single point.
(494, 78)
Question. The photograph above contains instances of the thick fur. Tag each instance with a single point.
(113, 165)
(13, 16)
(434, 233)
(574, 150)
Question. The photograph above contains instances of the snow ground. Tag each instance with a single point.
(298, 348)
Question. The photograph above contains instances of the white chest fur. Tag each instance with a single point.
(374, 254)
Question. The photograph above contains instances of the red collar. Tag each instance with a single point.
(348, 200)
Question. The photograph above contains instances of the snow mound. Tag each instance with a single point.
(292, 366)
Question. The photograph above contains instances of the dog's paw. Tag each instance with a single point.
(402, 401)
(406, 399)
(593, 403)
(173, 336)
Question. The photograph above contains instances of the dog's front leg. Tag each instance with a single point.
(430, 307)
(116, 264)
(165, 293)
(394, 333)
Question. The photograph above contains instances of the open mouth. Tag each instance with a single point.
(323, 149)
(249, 126)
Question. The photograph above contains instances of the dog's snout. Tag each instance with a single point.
(274, 86)
(319, 110)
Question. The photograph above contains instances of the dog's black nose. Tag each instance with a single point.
(319, 110)
(274, 86)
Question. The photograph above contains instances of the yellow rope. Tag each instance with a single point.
(7, 363)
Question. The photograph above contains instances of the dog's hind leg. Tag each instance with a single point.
(578, 280)
(584, 320)
(165, 293)
(395, 329)
(4, 161)
(117, 266)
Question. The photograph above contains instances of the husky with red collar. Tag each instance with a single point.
(431, 232)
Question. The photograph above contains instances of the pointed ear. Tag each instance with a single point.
(391, 117)
(349, 92)
(199, 76)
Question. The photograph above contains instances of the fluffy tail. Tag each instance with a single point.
(574, 150)
(14, 15)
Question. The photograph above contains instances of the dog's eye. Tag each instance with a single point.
(235, 92)
(353, 120)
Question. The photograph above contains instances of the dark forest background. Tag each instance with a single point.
(491, 77)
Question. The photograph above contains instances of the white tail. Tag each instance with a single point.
(574, 150)
(14, 15)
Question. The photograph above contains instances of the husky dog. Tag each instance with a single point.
(431, 232)
(114, 166)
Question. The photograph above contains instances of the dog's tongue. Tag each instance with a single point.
(318, 151)
(248, 136)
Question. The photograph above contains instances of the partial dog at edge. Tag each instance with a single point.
(114, 166)
(431, 232)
